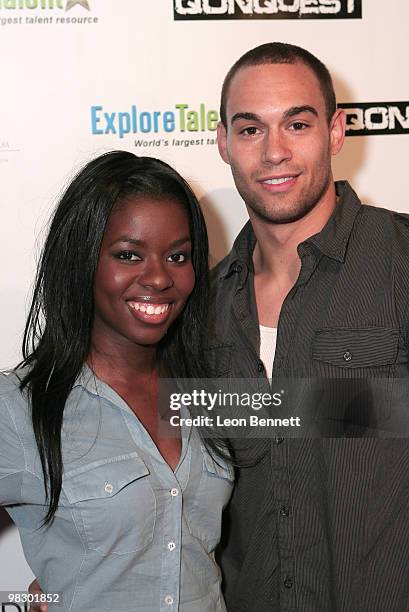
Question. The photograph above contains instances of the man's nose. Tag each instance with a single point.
(155, 275)
(275, 148)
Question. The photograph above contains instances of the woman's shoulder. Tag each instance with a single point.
(10, 391)
(9, 381)
(16, 432)
(16, 437)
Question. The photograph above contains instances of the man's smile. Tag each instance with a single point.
(278, 184)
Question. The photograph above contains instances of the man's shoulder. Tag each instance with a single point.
(390, 224)
(378, 213)
(369, 215)
(221, 269)
(238, 256)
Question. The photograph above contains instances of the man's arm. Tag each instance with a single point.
(35, 589)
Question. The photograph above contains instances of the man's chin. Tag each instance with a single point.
(282, 216)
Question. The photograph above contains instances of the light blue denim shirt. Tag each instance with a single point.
(129, 533)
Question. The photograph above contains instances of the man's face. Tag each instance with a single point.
(278, 141)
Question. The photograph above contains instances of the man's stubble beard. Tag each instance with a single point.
(284, 210)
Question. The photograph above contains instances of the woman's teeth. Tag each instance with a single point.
(149, 308)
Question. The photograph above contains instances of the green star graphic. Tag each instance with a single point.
(71, 3)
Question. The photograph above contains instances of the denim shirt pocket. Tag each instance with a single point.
(113, 501)
(204, 512)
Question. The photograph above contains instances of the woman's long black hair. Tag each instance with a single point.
(58, 330)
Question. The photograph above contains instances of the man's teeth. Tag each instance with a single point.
(150, 309)
(277, 181)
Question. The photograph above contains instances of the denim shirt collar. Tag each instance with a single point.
(88, 380)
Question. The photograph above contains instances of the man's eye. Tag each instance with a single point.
(127, 256)
(177, 258)
(249, 131)
(298, 125)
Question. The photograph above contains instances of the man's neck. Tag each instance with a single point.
(275, 254)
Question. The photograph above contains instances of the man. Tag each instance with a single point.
(315, 524)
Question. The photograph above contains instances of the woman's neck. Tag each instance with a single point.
(113, 364)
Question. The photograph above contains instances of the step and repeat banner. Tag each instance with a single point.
(81, 77)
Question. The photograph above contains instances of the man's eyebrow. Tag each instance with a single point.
(247, 116)
(297, 110)
(290, 112)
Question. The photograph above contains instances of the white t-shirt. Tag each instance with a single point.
(268, 341)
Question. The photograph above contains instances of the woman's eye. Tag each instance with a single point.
(127, 256)
(177, 257)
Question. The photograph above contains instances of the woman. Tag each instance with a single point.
(114, 515)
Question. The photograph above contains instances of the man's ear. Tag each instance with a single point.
(337, 131)
(222, 142)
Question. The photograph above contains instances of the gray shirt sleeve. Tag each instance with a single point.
(12, 461)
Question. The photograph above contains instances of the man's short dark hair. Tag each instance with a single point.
(282, 53)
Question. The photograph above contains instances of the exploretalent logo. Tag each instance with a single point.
(267, 9)
(187, 125)
(19, 12)
(163, 125)
(372, 118)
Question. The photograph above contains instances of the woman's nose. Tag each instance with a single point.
(155, 275)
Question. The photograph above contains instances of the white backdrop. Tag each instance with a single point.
(68, 62)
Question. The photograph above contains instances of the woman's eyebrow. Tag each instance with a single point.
(136, 242)
(180, 241)
(128, 239)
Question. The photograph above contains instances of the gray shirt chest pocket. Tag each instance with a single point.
(356, 376)
(372, 347)
(113, 504)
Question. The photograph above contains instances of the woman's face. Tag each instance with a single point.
(144, 274)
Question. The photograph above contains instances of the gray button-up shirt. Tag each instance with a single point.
(129, 533)
(322, 525)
